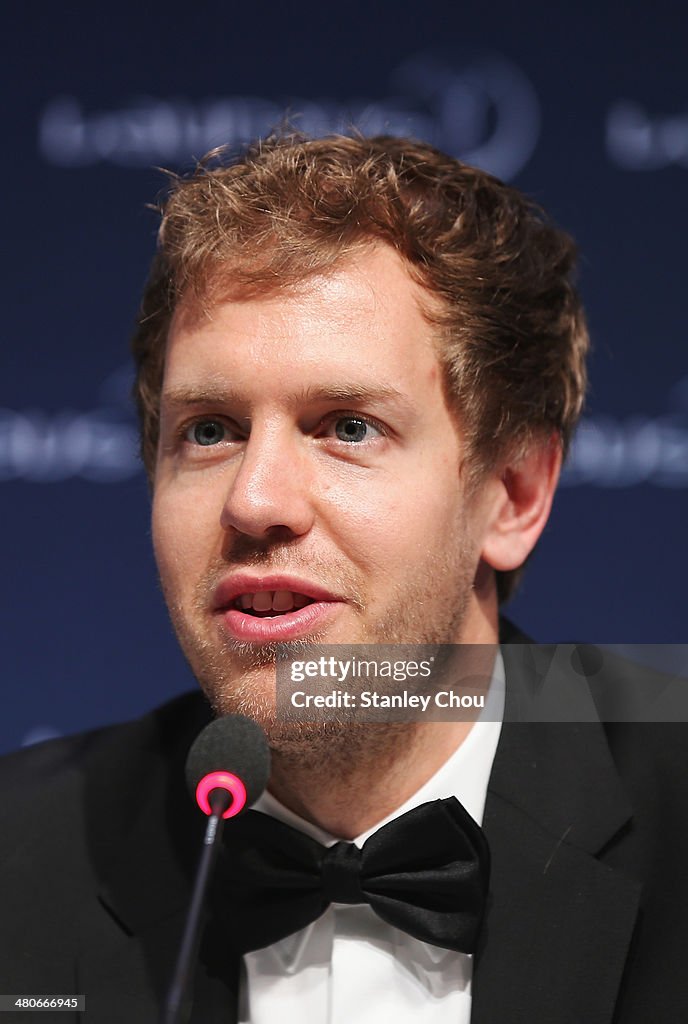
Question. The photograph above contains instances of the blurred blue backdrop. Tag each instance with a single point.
(585, 107)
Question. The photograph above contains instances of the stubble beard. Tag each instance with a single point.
(232, 673)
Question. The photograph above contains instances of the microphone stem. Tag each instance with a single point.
(179, 1001)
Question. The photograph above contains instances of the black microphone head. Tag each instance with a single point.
(233, 744)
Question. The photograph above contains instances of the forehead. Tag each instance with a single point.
(363, 319)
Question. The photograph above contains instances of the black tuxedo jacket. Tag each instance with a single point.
(588, 903)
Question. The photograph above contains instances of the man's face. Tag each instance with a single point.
(309, 481)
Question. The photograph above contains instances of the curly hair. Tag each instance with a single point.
(512, 338)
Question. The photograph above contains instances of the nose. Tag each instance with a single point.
(271, 492)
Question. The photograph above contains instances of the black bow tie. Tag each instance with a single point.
(426, 872)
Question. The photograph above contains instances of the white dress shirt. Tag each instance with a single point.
(349, 966)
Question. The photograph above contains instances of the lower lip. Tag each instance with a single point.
(288, 626)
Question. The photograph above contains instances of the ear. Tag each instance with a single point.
(520, 503)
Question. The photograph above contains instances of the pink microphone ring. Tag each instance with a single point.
(221, 780)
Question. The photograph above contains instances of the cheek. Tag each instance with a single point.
(386, 520)
(181, 533)
(165, 543)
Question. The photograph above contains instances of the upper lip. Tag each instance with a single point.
(244, 583)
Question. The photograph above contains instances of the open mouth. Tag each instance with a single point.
(269, 604)
(273, 609)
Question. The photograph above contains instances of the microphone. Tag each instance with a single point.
(227, 769)
(231, 755)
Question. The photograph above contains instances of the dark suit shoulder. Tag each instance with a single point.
(58, 764)
(66, 803)
(644, 711)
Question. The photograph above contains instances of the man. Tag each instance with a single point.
(359, 367)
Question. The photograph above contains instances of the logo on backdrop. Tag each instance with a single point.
(639, 141)
(482, 109)
(99, 445)
(609, 452)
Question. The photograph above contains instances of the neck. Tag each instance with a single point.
(349, 778)
(369, 776)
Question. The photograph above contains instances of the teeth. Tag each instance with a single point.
(262, 601)
(282, 601)
(272, 600)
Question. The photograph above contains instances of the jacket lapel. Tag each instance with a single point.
(559, 921)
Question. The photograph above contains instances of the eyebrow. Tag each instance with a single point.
(221, 394)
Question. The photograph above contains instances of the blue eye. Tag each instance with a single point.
(206, 432)
(351, 428)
